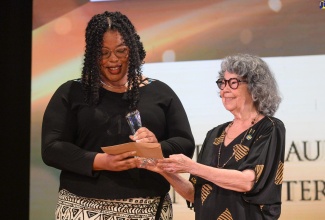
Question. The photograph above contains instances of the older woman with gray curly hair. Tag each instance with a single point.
(239, 170)
(260, 81)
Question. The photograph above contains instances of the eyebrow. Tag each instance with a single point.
(121, 44)
(231, 78)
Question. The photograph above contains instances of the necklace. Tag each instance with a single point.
(114, 87)
(228, 127)
(224, 134)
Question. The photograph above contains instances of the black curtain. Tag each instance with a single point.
(15, 78)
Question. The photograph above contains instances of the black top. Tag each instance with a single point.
(261, 150)
(74, 132)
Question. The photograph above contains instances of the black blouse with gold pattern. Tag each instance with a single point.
(261, 150)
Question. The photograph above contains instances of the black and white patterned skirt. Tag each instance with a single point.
(72, 207)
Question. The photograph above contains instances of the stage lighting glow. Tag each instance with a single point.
(103, 0)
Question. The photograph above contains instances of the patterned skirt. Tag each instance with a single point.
(72, 207)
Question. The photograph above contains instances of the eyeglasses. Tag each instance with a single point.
(232, 82)
(120, 52)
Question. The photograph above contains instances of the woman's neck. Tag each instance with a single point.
(122, 87)
(249, 118)
(115, 88)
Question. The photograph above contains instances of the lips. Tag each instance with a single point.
(114, 70)
(228, 98)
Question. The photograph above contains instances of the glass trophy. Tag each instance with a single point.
(134, 120)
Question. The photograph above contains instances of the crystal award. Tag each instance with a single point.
(134, 120)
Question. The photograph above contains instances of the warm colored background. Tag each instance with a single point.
(199, 31)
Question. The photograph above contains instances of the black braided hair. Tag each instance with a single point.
(90, 77)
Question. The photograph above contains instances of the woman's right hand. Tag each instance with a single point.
(177, 163)
(119, 162)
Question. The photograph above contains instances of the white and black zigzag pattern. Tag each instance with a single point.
(72, 207)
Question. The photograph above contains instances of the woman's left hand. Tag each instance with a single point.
(144, 135)
(176, 163)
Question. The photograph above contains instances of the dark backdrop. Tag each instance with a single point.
(15, 50)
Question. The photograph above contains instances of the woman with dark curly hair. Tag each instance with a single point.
(239, 170)
(86, 114)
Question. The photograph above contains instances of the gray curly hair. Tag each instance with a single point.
(261, 82)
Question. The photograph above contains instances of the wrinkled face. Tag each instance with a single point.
(114, 60)
(236, 99)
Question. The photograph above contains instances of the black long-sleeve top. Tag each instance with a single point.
(74, 132)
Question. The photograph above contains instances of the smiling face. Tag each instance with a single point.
(114, 60)
(236, 100)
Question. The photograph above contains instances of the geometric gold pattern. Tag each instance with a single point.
(220, 139)
(258, 171)
(226, 215)
(206, 190)
(240, 151)
(193, 180)
(279, 174)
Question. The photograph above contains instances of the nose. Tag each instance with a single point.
(113, 57)
(227, 85)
